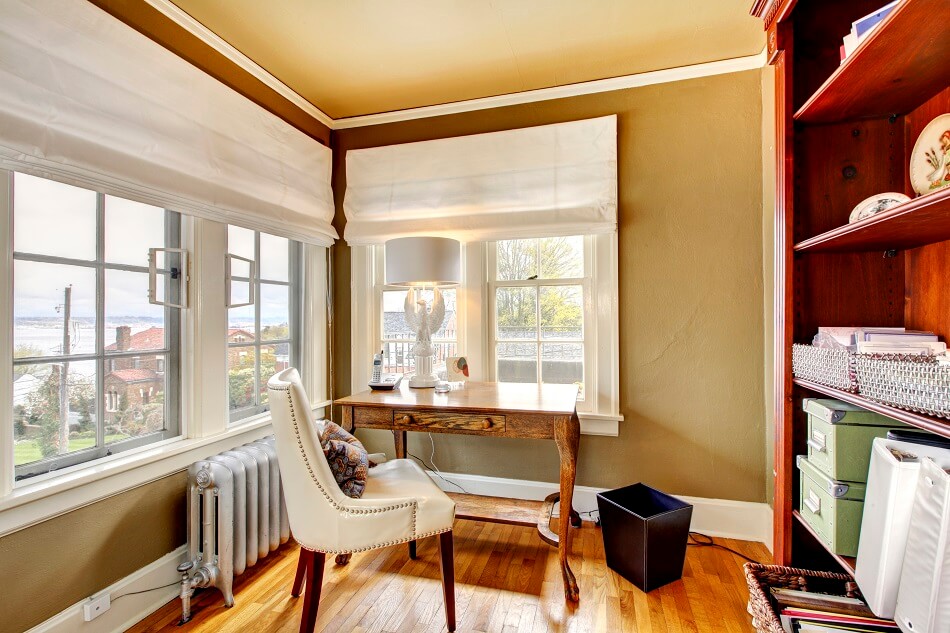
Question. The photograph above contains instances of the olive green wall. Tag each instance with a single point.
(691, 292)
(56, 563)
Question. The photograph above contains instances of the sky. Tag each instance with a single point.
(55, 219)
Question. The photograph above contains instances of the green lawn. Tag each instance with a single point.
(29, 451)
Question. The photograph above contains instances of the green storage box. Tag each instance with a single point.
(832, 508)
(840, 437)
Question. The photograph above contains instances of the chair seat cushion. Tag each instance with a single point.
(347, 457)
(404, 478)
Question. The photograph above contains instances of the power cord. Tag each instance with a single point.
(431, 465)
(132, 593)
(695, 540)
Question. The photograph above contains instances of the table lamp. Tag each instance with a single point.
(418, 263)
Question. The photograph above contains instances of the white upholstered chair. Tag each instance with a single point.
(400, 504)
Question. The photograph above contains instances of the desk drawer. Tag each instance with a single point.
(373, 417)
(461, 422)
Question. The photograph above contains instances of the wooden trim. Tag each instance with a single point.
(154, 24)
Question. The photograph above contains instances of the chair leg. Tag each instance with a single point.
(447, 558)
(412, 550)
(311, 600)
(302, 562)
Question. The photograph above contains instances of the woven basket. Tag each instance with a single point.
(829, 367)
(914, 383)
(761, 577)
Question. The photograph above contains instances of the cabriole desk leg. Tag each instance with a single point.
(567, 433)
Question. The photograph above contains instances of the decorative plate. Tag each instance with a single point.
(930, 160)
(875, 204)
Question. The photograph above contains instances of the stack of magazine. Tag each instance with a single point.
(883, 340)
(807, 612)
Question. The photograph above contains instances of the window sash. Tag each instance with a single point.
(295, 303)
(172, 373)
(584, 398)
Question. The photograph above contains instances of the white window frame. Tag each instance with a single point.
(599, 412)
(205, 428)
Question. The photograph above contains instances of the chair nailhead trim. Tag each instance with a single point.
(357, 512)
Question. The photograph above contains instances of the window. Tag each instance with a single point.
(538, 310)
(263, 335)
(86, 339)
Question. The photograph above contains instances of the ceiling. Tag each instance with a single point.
(357, 57)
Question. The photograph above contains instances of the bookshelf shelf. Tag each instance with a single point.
(925, 422)
(899, 66)
(846, 562)
(923, 220)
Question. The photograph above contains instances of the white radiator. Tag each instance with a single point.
(236, 516)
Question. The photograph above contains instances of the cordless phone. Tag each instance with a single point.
(380, 381)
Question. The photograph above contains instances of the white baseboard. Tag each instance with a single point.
(742, 520)
(130, 609)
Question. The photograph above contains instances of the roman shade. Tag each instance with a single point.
(87, 100)
(541, 181)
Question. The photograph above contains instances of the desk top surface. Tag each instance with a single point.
(480, 396)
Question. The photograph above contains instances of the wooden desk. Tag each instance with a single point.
(488, 409)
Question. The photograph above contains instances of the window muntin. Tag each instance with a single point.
(538, 310)
(263, 338)
(78, 299)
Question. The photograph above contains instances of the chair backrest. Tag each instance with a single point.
(314, 500)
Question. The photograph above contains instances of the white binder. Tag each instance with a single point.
(923, 601)
(888, 504)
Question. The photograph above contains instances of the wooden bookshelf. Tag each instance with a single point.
(845, 132)
(898, 67)
(847, 562)
(923, 220)
(925, 422)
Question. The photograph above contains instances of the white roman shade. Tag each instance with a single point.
(541, 181)
(87, 100)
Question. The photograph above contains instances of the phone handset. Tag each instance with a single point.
(377, 367)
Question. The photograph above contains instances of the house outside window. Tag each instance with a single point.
(85, 337)
(263, 337)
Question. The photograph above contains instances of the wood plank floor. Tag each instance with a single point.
(507, 581)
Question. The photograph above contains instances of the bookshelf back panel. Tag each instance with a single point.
(839, 165)
(847, 289)
(926, 301)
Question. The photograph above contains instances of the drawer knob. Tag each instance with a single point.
(406, 419)
(487, 424)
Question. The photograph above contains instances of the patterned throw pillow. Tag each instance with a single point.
(347, 458)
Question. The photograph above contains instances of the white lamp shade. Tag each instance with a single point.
(423, 261)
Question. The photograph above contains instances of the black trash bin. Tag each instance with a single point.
(645, 534)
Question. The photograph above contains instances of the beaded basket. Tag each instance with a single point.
(914, 383)
(760, 578)
(829, 367)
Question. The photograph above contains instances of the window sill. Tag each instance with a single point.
(600, 424)
(48, 496)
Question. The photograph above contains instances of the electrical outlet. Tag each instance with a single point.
(95, 606)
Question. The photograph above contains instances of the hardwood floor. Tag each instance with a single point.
(507, 581)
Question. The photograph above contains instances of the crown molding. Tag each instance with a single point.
(708, 69)
(214, 41)
(206, 35)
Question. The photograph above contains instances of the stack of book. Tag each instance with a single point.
(863, 27)
(807, 612)
(886, 340)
